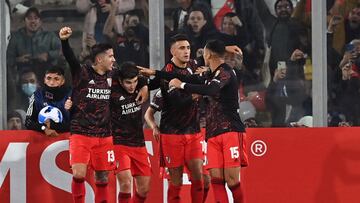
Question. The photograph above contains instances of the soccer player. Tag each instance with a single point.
(53, 93)
(224, 129)
(179, 125)
(128, 136)
(156, 106)
(90, 141)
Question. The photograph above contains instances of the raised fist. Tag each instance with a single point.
(65, 33)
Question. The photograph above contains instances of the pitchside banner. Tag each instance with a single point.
(286, 166)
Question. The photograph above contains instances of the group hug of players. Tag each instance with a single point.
(107, 129)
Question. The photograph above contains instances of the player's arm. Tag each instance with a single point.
(197, 79)
(68, 53)
(219, 81)
(150, 120)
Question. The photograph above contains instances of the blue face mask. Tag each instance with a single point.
(28, 88)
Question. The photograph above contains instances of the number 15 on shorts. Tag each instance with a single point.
(111, 156)
(234, 151)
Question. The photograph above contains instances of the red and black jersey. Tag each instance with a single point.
(126, 116)
(221, 87)
(179, 112)
(90, 114)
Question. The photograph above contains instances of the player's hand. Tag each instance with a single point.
(68, 103)
(195, 97)
(175, 83)
(143, 95)
(90, 40)
(65, 33)
(156, 133)
(24, 58)
(146, 71)
(234, 49)
(50, 132)
(43, 57)
(201, 70)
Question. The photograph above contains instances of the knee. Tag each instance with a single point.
(125, 184)
(142, 190)
(232, 180)
(79, 173)
(101, 176)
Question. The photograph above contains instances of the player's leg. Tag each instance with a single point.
(78, 185)
(101, 184)
(215, 165)
(103, 161)
(176, 174)
(194, 158)
(123, 173)
(124, 179)
(142, 188)
(79, 158)
(207, 180)
(233, 152)
(218, 185)
(174, 152)
(232, 178)
(197, 185)
(141, 170)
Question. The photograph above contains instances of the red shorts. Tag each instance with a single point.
(134, 158)
(93, 151)
(178, 149)
(227, 150)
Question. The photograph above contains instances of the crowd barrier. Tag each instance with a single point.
(317, 165)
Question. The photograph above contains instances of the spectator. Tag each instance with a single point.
(133, 44)
(348, 96)
(55, 94)
(180, 13)
(249, 21)
(352, 25)
(33, 47)
(97, 12)
(284, 34)
(199, 29)
(14, 121)
(286, 92)
(27, 85)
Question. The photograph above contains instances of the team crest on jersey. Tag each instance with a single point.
(109, 81)
(91, 82)
(122, 98)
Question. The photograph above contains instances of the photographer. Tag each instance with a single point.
(286, 92)
(54, 94)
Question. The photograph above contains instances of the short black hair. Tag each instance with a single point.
(13, 114)
(32, 10)
(178, 37)
(278, 1)
(128, 70)
(55, 69)
(229, 14)
(216, 46)
(98, 49)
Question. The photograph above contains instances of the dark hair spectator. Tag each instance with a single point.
(31, 46)
(14, 121)
(284, 34)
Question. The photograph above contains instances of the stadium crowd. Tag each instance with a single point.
(274, 70)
